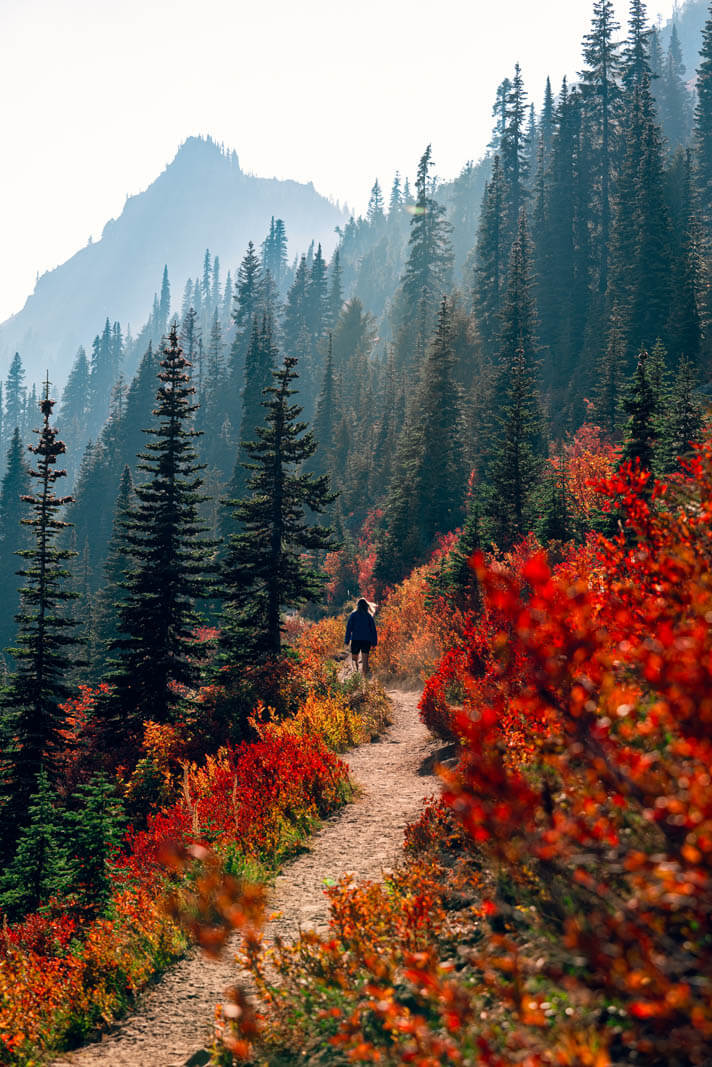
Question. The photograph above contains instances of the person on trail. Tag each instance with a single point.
(361, 633)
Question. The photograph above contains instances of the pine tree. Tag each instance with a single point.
(168, 560)
(43, 651)
(703, 126)
(682, 421)
(14, 395)
(675, 104)
(335, 300)
(427, 491)
(600, 85)
(40, 867)
(514, 149)
(265, 571)
(260, 362)
(95, 825)
(375, 213)
(641, 404)
(516, 463)
(326, 419)
(491, 257)
(607, 399)
(636, 70)
(13, 535)
(428, 268)
(75, 397)
(164, 304)
(115, 574)
(684, 327)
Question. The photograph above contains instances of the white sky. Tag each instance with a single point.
(98, 94)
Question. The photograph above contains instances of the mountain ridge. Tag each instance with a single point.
(202, 199)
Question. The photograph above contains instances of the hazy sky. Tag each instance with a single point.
(98, 94)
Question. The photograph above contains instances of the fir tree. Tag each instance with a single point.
(375, 213)
(703, 126)
(115, 573)
(39, 868)
(427, 490)
(265, 571)
(13, 535)
(491, 257)
(14, 395)
(335, 300)
(260, 362)
(428, 268)
(513, 148)
(516, 463)
(43, 652)
(95, 825)
(600, 83)
(168, 560)
(641, 404)
(682, 420)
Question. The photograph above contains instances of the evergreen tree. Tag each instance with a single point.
(427, 491)
(375, 213)
(335, 300)
(95, 826)
(636, 69)
(491, 257)
(682, 421)
(428, 268)
(168, 560)
(274, 254)
(31, 712)
(515, 466)
(75, 397)
(326, 419)
(260, 363)
(13, 535)
(641, 404)
(703, 126)
(14, 395)
(164, 304)
(265, 571)
(675, 104)
(600, 85)
(115, 573)
(514, 148)
(607, 399)
(39, 868)
(684, 327)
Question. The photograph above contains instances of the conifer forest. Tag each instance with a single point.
(487, 410)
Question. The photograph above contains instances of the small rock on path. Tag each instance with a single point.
(172, 1022)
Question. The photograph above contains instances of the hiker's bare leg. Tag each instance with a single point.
(364, 658)
(354, 657)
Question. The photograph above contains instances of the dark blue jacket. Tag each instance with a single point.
(361, 627)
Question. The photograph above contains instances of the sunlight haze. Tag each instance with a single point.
(98, 96)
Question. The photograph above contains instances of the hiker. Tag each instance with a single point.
(361, 632)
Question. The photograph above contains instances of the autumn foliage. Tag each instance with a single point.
(555, 907)
(238, 811)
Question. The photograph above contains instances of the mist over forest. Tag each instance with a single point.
(483, 406)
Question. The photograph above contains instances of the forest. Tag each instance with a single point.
(488, 413)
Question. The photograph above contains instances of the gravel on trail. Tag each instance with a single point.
(172, 1022)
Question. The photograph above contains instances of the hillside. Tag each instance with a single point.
(202, 199)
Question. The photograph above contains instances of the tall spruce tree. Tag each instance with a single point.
(13, 534)
(601, 88)
(15, 395)
(427, 272)
(32, 715)
(641, 405)
(703, 126)
(265, 571)
(168, 563)
(427, 491)
(491, 258)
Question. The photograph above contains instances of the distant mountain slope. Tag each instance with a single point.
(201, 200)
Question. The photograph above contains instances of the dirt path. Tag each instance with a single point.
(172, 1023)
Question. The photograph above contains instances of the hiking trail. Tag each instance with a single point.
(172, 1021)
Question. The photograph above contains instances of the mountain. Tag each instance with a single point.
(201, 200)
